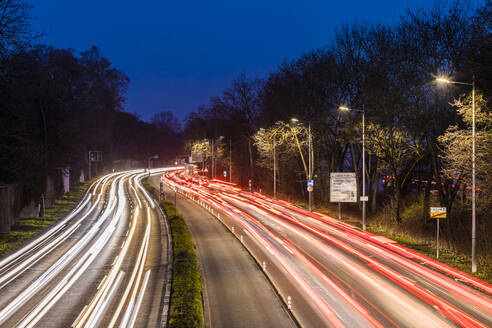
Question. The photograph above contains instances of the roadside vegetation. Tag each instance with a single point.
(186, 308)
(25, 229)
(410, 82)
(55, 104)
(186, 299)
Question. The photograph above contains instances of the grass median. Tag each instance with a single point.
(186, 308)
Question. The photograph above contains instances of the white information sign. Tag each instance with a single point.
(343, 187)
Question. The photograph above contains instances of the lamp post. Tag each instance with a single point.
(274, 170)
(364, 199)
(474, 220)
(230, 160)
(294, 121)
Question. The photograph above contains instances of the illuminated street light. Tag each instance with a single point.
(474, 221)
(363, 111)
(442, 80)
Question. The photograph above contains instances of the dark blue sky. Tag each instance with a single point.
(178, 54)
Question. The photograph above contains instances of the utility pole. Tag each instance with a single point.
(274, 171)
(230, 160)
(213, 162)
(474, 210)
(310, 193)
(203, 163)
(364, 168)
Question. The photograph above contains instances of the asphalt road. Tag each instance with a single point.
(236, 292)
(338, 276)
(103, 265)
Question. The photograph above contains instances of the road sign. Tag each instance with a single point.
(343, 187)
(438, 212)
(225, 174)
(364, 198)
(196, 158)
(95, 156)
(310, 188)
(310, 183)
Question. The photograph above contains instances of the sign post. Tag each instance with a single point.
(343, 189)
(437, 213)
(94, 157)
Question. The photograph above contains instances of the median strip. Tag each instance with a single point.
(186, 308)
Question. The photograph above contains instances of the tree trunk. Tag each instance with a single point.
(250, 150)
(397, 195)
(425, 205)
(375, 186)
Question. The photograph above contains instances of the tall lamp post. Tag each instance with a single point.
(294, 121)
(363, 197)
(274, 169)
(474, 220)
(230, 160)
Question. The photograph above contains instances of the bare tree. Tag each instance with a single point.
(15, 25)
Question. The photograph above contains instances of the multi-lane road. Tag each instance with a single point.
(105, 264)
(333, 275)
(235, 291)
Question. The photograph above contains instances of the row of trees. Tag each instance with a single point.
(56, 105)
(387, 70)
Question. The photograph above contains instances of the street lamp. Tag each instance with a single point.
(474, 221)
(294, 121)
(363, 197)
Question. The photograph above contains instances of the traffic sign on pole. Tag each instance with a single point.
(438, 212)
(310, 183)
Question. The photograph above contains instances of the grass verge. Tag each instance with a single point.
(454, 259)
(186, 308)
(26, 229)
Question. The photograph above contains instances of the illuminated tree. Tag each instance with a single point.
(456, 143)
(398, 152)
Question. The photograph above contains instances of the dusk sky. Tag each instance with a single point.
(178, 54)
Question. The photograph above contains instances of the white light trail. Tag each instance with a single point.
(62, 262)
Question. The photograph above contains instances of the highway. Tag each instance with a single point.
(235, 291)
(334, 275)
(103, 265)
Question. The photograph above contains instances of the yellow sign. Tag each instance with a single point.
(438, 212)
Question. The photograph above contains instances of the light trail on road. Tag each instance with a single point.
(41, 277)
(346, 276)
